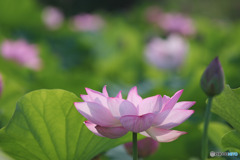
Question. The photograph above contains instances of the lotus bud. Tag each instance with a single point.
(212, 81)
(146, 147)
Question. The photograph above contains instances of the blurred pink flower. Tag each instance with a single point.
(113, 117)
(1, 84)
(145, 147)
(153, 14)
(87, 22)
(22, 52)
(167, 54)
(52, 17)
(177, 23)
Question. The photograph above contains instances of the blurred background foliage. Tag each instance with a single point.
(114, 55)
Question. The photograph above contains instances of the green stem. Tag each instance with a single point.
(135, 150)
(205, 130)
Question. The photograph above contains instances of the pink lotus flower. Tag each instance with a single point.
(22, 52)
(167, 54)
(177, 23)
(52, 17)
(113, 117)
(145, 147)
(87, 22)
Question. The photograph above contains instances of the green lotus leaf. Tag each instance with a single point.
(47, 126)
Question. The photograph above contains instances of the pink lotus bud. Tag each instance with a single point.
(167, 54)
(146, 147)
(21, 52)
(52, 17)
(154, 116)
(87, 22)
(177, 23)
(212, 81)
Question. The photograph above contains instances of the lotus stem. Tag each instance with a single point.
(205, 130)
(135, 150)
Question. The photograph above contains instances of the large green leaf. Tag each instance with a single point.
(227, 106)
(216, 131)
(231, 140)
(46, 126)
